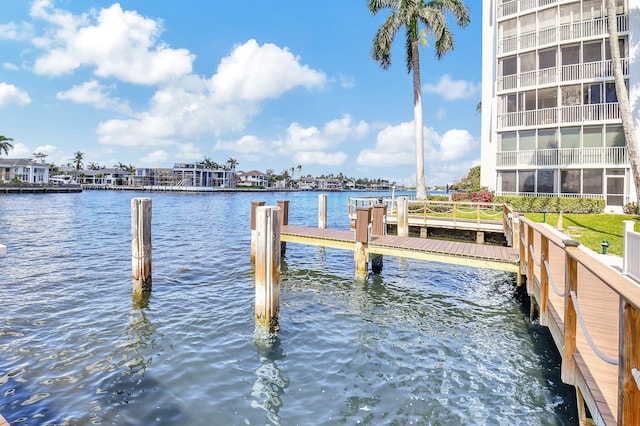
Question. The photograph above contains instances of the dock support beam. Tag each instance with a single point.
(141, 244)
(361, 254)
(254, 206)
(267, 269)
(284, 220)
(378, 227)
(403, 217)
(322, 211)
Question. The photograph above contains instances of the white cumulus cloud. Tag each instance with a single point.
(95, 94)
(12, 95)
(452, 89)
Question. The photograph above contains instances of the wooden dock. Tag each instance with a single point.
(592, 312)
(461, 253)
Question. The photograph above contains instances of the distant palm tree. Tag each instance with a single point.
(232, 163)
(77, 161)
(410, 14)
(5, 145)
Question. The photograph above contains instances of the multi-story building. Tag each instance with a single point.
(24, 170)
(550, 118)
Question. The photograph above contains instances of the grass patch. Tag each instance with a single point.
(591, 229)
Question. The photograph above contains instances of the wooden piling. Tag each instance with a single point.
(378, 227)
(568, 369)
(403, 216)
(361, 254)
(254, 206)
(141, 244)
(267, 280)
(284, 220)
(322, 211)
(629, 394)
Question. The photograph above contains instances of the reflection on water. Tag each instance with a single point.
(269, 385)
(421, 343)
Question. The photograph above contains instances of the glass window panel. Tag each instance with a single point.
(570, 55)
(593, 93)
(508, 181)
(530, 100)
(528, 62)
(509, 65)
(508, 142)
(571, 95)
(547, 58)
(610, 95)
(526, 181)
(527, 140)
(592, 52)
(591, 9)
(570, 181)
(546, 182)
(547, 139)
(622, 45)
(592, 137)
(527, 23)
(570, 13)
(615, 172)
(547, 98)
(508, 28)
(570, 137)
(614, 136)
(592, 181)
(547, 18)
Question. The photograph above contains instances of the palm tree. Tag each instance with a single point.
(623, 96)
(232, 163)
(5, 145)
(411, 14)
(77, 161)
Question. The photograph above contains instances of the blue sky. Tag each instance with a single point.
(275, 84)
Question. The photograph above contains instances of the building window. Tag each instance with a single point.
(570, 181)
(547, 139)
(527, 181)
(570, 137)
(508, 66)
(527, 140)
(614, 136)
(592, 137)
(508, 181)
(508, 142)
(546, 182)
(592, 181)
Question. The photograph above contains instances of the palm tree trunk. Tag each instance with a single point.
(623, 96)
(421, 193)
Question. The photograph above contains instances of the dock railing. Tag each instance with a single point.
(593, 314)
(631, 258)
(456, 211)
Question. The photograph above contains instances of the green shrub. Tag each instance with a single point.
(552, 204)
(438, 197)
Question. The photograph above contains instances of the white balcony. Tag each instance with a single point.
(604, 156)
(560, 115)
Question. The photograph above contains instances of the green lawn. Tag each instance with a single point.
(591, 229)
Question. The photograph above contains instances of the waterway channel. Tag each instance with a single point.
(422, 343)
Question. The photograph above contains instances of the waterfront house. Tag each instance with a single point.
(253, 178)
(107, 176)
(550, 119)
(24, 170)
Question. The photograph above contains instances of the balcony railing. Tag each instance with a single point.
(562, 33)
(607, 156)
(564, 73)
(559, 115)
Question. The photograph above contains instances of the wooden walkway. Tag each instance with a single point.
(461, 253)
(599, 291)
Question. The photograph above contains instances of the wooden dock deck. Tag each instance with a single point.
(591, 310)
(461, 253)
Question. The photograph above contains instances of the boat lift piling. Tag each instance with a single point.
(267, 270)
(141, 244)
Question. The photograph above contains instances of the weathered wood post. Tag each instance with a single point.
(517, 246)
(141, 244)
(322, 211)
(378, 227)
(361, 254)
(254, 206)
(567, 371)
(284, 220)
(544, 280)
(267, 281)
(403, 217)
(629, 364)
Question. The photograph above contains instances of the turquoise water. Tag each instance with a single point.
(422, 343)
